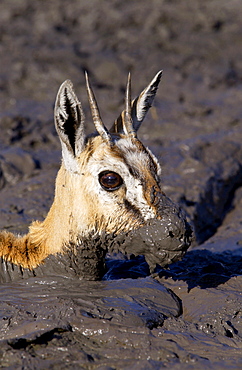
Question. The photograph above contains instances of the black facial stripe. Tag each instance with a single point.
(131, 208)
(133, 172)
(152, 165)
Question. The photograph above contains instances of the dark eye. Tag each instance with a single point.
(110, 180)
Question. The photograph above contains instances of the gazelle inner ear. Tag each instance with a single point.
(69, 123)
(140, 106)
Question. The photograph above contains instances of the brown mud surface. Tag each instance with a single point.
(189, 315)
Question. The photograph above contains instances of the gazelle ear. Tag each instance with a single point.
(140, 106)
(69, 123)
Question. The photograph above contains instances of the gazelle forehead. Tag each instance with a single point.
(125, 152)
(135, 155)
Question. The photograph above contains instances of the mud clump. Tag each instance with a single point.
(163, 241)
(160, 241)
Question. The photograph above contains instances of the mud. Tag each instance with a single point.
(142, 315)
(161, 242)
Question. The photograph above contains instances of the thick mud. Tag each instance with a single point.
(161, 242)
(143, 314)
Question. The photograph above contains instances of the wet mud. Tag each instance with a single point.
(161, 242)
(143, 314)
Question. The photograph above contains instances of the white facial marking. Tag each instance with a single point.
(132, 185)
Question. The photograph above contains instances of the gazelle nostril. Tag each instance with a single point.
(171, 234)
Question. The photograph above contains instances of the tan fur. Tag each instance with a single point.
(81, 207)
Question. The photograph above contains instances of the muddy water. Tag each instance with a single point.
(56, 322)
(142, 315)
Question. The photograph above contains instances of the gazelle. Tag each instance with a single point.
(108, 181)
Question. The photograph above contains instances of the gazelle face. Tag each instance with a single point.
(123, 179)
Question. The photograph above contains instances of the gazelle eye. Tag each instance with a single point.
(110, 180)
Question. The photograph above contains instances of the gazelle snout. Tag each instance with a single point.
(163, 239)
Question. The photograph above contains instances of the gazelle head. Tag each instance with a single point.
(114, 178)
(109, 181)
(108, 185)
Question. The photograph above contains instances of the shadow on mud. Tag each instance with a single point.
(198, 268)
(205, 269)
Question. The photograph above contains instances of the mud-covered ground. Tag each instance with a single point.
(189, 315)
